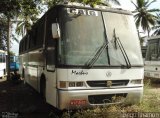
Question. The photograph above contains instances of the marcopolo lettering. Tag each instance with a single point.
(79, 72)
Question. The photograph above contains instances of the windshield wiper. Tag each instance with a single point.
(90, 63)
(118, 41)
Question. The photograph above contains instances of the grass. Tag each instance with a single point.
(150, 103)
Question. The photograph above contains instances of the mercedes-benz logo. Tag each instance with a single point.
(108, 74)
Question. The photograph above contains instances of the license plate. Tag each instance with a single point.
(77, 102)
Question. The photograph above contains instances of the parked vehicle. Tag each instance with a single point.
(152, 61)
(14, 63)
(2, 64)
(79, 56)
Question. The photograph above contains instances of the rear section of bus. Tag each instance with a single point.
(152, 60)
(2, 64)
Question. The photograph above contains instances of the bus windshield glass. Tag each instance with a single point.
(152, 50)
(84, 32)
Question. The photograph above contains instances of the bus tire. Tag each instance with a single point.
(4, 71)
(43, 87)
(4, 74)
(23, 73)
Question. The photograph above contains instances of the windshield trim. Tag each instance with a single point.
(97, 67)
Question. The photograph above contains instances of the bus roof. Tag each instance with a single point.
(97, 7)
(2, 51)
(153, 38)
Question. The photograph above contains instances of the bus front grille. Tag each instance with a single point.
(104, 83)
(107, 98)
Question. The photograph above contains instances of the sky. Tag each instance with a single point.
(125, 4)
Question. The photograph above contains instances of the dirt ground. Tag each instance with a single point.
(21, 100)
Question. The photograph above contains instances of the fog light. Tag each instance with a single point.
(138, 81)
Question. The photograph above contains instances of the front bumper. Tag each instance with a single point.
(133, 96)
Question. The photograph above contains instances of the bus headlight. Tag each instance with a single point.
(76, 84)
(72, 84)
(137, 81)
(65, 84)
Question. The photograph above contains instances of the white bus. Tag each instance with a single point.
(2, 64)
(152, 60)
(78, 56)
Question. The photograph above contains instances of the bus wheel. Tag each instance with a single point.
(4, 74)
(23, 73)
(43, 87)
(4, 71)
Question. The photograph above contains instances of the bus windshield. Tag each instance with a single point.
(152, 50)
(84, 32)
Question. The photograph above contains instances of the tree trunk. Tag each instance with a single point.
(148, 31)
(8, 50)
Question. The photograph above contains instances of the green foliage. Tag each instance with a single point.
(29, 11)
(12, 53)
(10, 8)
(3, 33)
(144, 16)
(157, 26)
(92, 3)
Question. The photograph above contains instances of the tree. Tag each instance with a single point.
(3, 33)
(30, 10)
(10, 9)
(92, 3)
(157, 26)
(144, 16)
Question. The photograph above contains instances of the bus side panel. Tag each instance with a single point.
(2, 64)
(25, 67)
(51, 90)
(33, 76)
(152, 69)
(2, 67)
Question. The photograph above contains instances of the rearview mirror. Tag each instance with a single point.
(55, 30)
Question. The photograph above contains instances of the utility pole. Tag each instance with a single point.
(8, 49)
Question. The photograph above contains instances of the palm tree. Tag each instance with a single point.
(23, 26)
(157, 26)
(30, 10)
(144, 16)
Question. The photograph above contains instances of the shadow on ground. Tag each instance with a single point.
(22, 99)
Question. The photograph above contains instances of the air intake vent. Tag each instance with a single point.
(104, 83)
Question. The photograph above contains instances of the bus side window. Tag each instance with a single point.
(1, 59)
(4, 58)
(152, 53)
(50, 59)
(40, 33)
